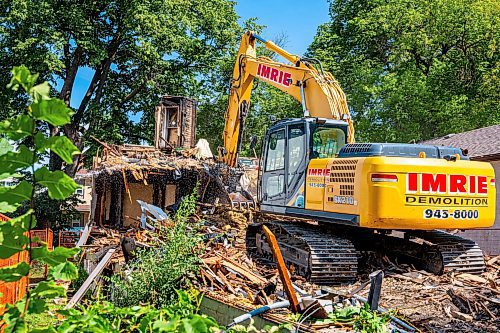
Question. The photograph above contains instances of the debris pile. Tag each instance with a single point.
(132, 182)
(454, 302)
(138, 157)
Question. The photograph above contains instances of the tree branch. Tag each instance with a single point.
(100, 76)
(70, 72)
(132, 94)
(67, 60)
(88, 95)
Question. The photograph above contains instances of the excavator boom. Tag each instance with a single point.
(317, 90)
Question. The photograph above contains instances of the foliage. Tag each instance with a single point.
(82, 276)
(19, 158)
(155, 274)
(103, 316)
(368, 321)
(414, 70)
(56, 214)
(126, 52)
(44, 319)
(362, 319)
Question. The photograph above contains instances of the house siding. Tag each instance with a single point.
(489, 239)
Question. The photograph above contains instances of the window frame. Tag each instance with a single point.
(283, 129)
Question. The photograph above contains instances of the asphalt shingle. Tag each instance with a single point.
(480, 143)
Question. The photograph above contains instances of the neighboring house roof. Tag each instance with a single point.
(482, 143)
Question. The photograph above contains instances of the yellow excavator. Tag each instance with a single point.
(361, 196)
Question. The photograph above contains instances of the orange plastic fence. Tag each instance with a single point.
(12, 291)
(68, 238)
(44, 236)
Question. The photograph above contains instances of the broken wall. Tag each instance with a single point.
(175, 123)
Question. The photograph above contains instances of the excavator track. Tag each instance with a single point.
(456, 253)
(325, 255)
(318, 255)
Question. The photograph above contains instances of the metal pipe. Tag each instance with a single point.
(275, 48)
(260, 39)
(258, 311)
(303, 99)
(317, 61)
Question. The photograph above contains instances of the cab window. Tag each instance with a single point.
(276, 151)
(327, 142)
(296, 149)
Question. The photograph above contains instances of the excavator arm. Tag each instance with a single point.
(317, 90)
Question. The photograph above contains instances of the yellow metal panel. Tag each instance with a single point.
(450, 190)
(315, 183)
(343, 186)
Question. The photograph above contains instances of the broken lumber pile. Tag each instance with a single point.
(454, 302)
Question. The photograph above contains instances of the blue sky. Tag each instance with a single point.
(297, 19)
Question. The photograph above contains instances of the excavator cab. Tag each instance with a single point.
(288, 147)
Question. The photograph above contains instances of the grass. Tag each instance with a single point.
(42, 320)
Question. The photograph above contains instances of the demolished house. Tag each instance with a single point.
(160, 175)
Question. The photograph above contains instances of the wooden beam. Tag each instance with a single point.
(77, 297)
(125, 183)
(84, 236)
(282, 270)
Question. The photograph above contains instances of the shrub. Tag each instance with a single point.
(154, 274)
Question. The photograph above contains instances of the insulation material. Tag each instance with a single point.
(203, 150)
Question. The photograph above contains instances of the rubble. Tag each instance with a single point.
(449, 303)
(452, 302)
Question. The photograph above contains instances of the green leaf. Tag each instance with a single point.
(60, 145)
(44, 291)
(53, 258)
(16, 325)
(13, 161)
(40, 92)
(25, 221)
(48, 329)
(14, 273)
(59, 184)
(12, 237)
(12, 197)
(197, 323)
(22, 76)
(66, 271)
(5, 146)
(164, 325)
(18, 127)
(54, 111)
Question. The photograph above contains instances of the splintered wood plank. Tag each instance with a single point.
(77, 297)
(283, 271)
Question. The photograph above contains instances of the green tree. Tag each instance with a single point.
(414, 70)
(136, 50)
